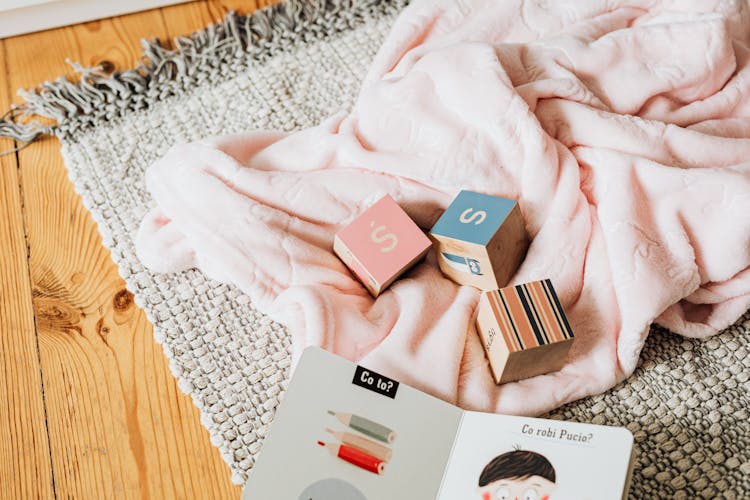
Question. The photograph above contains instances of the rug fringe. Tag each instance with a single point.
(97, 94)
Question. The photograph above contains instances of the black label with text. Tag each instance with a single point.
(375, 382)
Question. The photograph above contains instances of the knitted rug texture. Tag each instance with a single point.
(287, 68)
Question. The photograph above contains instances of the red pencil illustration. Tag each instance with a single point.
(363, 444)
(355, 457)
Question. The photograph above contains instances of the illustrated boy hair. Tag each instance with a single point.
(517, 464)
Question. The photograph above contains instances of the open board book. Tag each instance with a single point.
(344, 432)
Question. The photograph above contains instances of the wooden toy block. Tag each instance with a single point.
(380, 245)
(524, 331)
(480, 240)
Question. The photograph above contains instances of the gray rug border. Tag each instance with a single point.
(239, 40)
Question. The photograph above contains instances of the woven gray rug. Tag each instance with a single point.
(287, 68)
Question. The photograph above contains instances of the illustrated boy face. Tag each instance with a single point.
(530, 488)
(517, 475)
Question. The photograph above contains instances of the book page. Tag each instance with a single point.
(500, 457)
(343, 432)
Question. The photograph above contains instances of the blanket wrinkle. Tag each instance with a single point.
(621, 126)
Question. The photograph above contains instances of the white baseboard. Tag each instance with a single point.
(25, 16)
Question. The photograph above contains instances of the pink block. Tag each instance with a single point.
(381, 244)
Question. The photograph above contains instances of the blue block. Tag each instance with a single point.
(473, 217)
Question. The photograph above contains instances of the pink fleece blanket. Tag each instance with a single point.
(621, 126)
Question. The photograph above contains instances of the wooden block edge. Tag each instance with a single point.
(521, 358)
(497, 359)
(341, 250)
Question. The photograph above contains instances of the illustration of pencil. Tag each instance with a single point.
(355, 457)
(365, 426)
(363, 444)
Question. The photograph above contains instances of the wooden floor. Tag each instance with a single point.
(88, 407)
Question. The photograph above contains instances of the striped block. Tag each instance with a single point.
(524, 330)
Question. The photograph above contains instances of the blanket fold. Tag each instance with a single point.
(622, 127)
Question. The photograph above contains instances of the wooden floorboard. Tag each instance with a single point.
(25, 464)
(116, 424)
